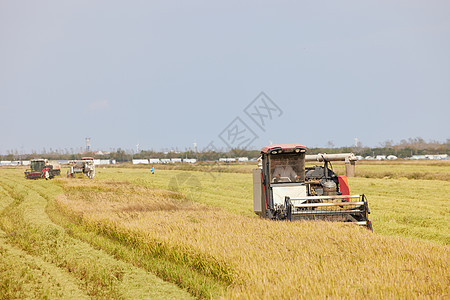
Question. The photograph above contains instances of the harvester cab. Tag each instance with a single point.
(284, 189)
(41, 168)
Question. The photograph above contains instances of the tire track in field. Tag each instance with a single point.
(43, 279)
(97, 273)
(5, 198)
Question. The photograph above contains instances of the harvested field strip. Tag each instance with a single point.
(28, 227)
(230, 191)
(203, 275)
(131, 249)
(418, 209)
(265, 259)
(29, 277)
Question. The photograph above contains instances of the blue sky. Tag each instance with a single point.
(167, 73)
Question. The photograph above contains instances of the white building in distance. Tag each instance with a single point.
(140, 161)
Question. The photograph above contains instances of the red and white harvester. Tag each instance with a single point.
(284, 189)
(41, 168)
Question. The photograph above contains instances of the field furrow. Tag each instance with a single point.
(28, 227)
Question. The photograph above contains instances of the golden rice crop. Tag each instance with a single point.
(403, 207)
(197, 229)
(53, 264)
(266, 259)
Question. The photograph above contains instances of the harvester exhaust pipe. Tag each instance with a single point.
(349, 158)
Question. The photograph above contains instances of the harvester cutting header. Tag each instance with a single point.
(284, 189)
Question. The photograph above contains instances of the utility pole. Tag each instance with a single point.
(88, 144)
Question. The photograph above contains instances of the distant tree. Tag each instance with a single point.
(387, 144)
(120, 155)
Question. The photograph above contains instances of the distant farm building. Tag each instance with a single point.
(437, 156)
(418, 157)
(15, 163)
(189, 160)
(104, 162)
(140, 161)
(227, 160)
(107, 161)
(171, 160)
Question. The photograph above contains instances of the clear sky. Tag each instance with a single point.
(167, 73)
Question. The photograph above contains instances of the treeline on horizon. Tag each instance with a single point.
(404, 149)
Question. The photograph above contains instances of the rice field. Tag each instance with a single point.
(192, 234)
(411, 169)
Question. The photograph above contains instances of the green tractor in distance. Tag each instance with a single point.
(41, 168)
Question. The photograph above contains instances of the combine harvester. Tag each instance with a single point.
(284, 189)
(84, 166)
(41, 168)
